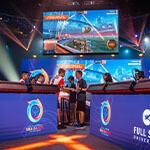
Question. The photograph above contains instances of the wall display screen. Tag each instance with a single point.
(93, 69)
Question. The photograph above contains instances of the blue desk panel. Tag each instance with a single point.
(26, 115)
(122, 119)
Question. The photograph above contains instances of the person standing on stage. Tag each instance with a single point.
(31, 80)
(140, 75)
(59, 80)
(24, 77)
(72, 101)
(81, 99)
(40, 79)
(107, 78)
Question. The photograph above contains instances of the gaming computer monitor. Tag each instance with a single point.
(80, 32)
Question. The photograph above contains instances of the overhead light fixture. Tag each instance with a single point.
(126, 51)
(55, 56)
(146, 39)
(140, 55)
(34, 56)
(112, 55)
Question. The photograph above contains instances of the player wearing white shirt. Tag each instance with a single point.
(59, 80)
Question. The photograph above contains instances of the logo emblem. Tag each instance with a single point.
(105, 112)
(146, 117)
(34, 110)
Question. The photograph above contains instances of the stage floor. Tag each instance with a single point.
(65, 139)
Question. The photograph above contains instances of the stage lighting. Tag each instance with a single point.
(112, 55)
(55, 56)
(146, 39)
(126, 51)
(6, 64)
(34, 56)
(71, 142)
(136, 35)
(140, 55)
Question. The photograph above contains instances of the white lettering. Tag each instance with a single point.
(139, 131)
(134, 130)
(141, 139)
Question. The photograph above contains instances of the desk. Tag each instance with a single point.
(121, 118)
(25, 114)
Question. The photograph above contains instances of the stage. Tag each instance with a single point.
(65, 139)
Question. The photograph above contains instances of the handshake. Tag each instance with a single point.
(66, 89)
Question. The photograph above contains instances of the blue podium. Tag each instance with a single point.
(120, 113)
(27, 110)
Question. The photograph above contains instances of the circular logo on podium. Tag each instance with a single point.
(34, 110)
(146, 117)
(105, 112)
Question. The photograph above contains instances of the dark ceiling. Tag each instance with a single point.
(21, 15)
(31, 8)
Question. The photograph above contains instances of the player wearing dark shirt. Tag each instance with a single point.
(81, 98)
(72, 100)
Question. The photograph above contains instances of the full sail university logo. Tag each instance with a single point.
(105, 115)
(34, 110)
(146, 117)
(142, 133)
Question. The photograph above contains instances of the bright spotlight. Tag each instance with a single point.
(81, 56)
(55, 56)
(34, 56)
(126, 51)
(6, 64)
(112, 55)
(136, 35)
(140, 55)
(146, 39)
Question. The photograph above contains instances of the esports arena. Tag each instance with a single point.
(74, 75)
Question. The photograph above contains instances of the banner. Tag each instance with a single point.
(26, 115)
(122, 119)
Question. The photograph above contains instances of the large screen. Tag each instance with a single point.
(80, 32)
